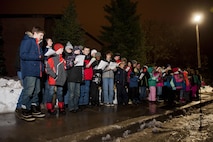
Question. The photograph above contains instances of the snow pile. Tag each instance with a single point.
(106, 138)
(126, 133)
(9, 93)
(206, 89)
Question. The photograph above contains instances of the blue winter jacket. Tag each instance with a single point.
(31, 57)
(133, 81)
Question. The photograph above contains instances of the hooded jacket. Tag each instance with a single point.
(55, 68)
(31, 57)
(153, 77)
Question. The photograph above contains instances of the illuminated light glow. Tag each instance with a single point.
(197, 18)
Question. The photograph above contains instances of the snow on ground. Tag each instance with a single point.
(9, 93)
(178, 129)
(206, 89)
(10, 89)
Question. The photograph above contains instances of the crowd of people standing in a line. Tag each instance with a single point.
(79, 77)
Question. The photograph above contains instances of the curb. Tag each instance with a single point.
(133, 124)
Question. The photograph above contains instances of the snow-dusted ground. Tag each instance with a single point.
(179, 129)
(10, 89)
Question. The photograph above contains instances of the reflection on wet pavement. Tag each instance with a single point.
(13, 129)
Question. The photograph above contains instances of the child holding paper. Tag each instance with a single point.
(108, 81)
(96, 80)
(88, 73)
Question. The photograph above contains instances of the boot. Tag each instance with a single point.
(50, 109)
(36, 111)
(61, 108)
(26, 115)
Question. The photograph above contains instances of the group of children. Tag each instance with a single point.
(80, 77)
(102, 80)
(171, 85)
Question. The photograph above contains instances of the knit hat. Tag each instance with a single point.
(175, 70)
(69, 45)
(58, 46)
(80, 47)
(145, 66)
(93, 51)
(134, 62)
(76, 48)
(98, 54)
(117, 54)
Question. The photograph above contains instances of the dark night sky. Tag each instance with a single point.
(91, 15)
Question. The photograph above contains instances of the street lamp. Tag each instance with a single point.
(197, 19)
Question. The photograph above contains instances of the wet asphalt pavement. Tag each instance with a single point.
(13, 129)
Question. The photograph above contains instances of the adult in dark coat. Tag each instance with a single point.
(74, 78)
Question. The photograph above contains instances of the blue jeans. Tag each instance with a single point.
(159, 92)
(74, 94)
(21, 94)
(108, 84)
(66, 97)
(143, 93)
(31, 89)
(59, 93)
(84, 93)
(45, 92)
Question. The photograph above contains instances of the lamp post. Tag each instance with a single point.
(197, 20)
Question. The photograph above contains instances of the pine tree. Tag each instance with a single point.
(67, 28)
(124, 33)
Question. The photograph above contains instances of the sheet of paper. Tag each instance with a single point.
(91, 61)
(127, 69)
(79, 59)
(102, 65)
(49, 52)
(112, 65)
(141, 76)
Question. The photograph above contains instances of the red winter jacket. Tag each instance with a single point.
(88, 72)
(55, 69)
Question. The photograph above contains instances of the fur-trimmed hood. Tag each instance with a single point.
(29, 34)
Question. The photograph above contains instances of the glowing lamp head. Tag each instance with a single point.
(197, 18)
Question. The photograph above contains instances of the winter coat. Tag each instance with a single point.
(187, 85)
(144, 81)
(195, 80)
(31, 56)
(153, 77)
(55, 68)
(121, 77)
(128, 74)
(108, 73)
(159, 80)
(88, 73)
(133, 81)
(168, 81)
(178, 81)
(74, 73)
